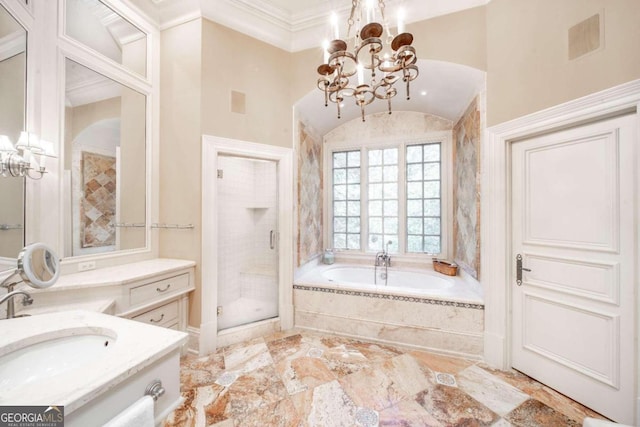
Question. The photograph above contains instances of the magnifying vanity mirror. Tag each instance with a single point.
(105, 159)
(38, 266)
(13, 69)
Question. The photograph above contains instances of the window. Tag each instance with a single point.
(423, 198)
(346, 200)
(383, 199)
(393, 192)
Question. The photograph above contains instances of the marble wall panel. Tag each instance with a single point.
(309, 195)
(466, 189)
(98, 204)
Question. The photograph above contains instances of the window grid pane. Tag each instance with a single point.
(383, 199)
(346, 201)
(423, 198)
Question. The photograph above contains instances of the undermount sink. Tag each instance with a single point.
(42, 357)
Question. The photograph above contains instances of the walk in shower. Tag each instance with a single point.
(247, 208)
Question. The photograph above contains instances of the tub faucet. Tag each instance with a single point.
(11, 311)
(383, 259)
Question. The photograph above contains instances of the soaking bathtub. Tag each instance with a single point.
(415, 308)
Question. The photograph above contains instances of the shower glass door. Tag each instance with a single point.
(247, 240)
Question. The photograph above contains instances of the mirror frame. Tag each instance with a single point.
(23, 14)
(72, 49)
(48, 48)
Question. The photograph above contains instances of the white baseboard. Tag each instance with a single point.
(193, 342)
(494, 350)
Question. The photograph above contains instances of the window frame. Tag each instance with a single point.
(446, 171)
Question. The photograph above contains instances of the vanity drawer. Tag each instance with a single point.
(150, 291)
(161, 316)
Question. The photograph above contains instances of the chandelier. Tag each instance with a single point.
(385, 62)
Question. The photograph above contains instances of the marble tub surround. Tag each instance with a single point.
(135, 346)
(463, 289)
(301, 378)
(445, 321)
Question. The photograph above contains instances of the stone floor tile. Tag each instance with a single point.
(534, 413)
(452, 406)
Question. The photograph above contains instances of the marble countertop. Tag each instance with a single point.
(118, 275)
(106, 306)
(136, 346)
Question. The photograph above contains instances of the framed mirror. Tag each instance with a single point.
(100, 28)
(105, 177)
(13, 72)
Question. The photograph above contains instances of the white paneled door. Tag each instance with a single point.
(573, 300)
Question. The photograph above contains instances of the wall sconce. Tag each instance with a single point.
(27, 158)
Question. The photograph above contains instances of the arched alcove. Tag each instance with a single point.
(446, 97)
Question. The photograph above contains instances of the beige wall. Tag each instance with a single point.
(458, 37)
(527, 63)
(195, 99)
(180, 147)
(520, 43)
(234, 61)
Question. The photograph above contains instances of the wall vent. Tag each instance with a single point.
(238, 101)
(586, 36)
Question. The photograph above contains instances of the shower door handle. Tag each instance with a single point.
(272, 240)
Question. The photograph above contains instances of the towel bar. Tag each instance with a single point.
(154, 389)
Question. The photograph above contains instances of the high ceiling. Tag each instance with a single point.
(442, 89)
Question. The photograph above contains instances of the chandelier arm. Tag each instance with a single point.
(343, 63)
(351, 20)
(385, 24)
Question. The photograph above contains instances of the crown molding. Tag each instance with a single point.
(290, 31)
(12, 44)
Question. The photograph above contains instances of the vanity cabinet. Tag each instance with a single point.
(155, 292)
(160, 301)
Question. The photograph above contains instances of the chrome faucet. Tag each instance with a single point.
(383, 259)
(11, 310)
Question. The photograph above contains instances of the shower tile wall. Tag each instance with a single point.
(235, 191)
(247, 214)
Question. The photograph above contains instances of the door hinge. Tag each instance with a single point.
(220, 173)
(219, 310)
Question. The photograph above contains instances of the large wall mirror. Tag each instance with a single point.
(100, 28)
(105, 177)
(13, 71)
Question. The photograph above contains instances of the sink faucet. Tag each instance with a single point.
(11, 311)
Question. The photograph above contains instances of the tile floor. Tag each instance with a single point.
(301, 378)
